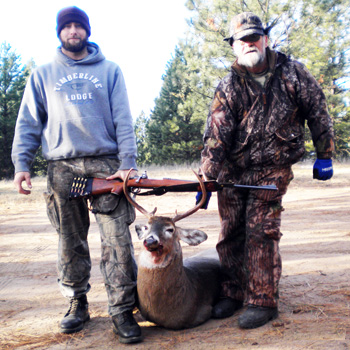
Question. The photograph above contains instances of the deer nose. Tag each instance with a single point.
(151, 242)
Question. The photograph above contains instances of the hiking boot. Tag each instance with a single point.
(76, 316)
(127, 328)
(257, 316)
(226, 307)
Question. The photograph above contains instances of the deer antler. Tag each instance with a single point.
(132, 202)
(198, 206)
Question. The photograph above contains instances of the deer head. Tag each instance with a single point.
(161, 236)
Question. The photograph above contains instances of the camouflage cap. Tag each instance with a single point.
(244, 24)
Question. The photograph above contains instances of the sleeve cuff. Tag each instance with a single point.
(324, 155)
(128, 163)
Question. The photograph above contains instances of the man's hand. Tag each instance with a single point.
(121, 174)
(199, 197)
(323, 169)
(19, 178)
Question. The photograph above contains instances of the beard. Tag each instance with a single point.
(74, 47)
(251, 59)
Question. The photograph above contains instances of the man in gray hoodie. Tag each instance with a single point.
(77, 109)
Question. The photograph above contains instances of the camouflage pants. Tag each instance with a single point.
(248, 244)
(71, 220)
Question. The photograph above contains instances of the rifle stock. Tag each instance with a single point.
(85, 187)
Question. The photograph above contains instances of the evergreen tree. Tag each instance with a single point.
(174, 130)
(141, 139)
(12, 83)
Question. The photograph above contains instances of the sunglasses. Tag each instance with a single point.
(251, 38)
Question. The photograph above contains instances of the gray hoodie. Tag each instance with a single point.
(75, 109)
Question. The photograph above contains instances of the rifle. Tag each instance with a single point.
(91, 186)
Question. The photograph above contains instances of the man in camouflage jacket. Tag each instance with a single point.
(254, 133)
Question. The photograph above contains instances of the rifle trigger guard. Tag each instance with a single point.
(135, 190)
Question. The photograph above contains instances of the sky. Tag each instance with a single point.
(139, 35)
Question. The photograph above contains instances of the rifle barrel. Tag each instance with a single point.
(84, 187)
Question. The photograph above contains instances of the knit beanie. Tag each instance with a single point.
(72, 14)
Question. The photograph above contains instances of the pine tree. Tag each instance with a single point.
(12, 83)
(141, 139)
(173, 132)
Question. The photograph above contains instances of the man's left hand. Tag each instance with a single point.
(199, 197)
(121, 174)
(323, 169)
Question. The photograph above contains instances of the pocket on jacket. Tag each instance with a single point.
(292, 137)
(289, 146)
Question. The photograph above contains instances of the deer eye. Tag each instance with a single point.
(170, 230)
(145, 228)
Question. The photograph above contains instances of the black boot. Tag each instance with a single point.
(226, 307)
(76, 316)
(127, 328)
(257, 316)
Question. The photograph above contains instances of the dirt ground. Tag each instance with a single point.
(314, 288)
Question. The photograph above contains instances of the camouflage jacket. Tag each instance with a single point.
(249, 126)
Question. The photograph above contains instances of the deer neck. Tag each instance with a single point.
(167, 268)
(170, 277)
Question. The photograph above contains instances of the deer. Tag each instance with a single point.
(173, 292)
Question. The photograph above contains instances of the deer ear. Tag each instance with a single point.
(191, 237)
(139, 231)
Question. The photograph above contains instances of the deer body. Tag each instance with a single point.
(176, 293)
(172, 292)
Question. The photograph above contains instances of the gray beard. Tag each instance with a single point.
(252, 59)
